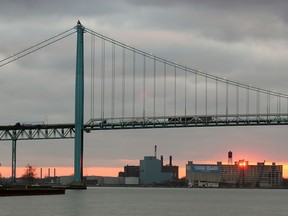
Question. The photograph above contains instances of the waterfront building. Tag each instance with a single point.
(203, 175)
(170, 168)
(151, 171)
(246, 175)
(239, 174)
(130, 171)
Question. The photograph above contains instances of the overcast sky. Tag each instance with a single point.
(240, 40)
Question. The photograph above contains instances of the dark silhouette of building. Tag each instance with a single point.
(130, 171)
(169, 168)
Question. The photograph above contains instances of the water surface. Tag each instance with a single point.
(150, 201)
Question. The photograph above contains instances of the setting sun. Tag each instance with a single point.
(242, 163)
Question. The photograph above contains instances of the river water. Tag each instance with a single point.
(150, 201)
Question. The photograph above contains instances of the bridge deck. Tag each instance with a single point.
(187, 121)
(41, 131)
(66, 131)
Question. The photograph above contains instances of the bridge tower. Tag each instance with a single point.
(79, 106)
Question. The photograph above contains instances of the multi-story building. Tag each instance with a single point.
(259, 175)
(240, 174)
(203, 175)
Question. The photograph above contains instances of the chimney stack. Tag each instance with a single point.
(162, 160)
(170, 160)
(155, 151)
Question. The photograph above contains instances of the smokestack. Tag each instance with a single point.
(155, 151)
(162, 160)
(54, 172)
(170, 161)
(40, 173)
(48, 172)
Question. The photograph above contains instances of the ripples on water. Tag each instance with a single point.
(150, 201)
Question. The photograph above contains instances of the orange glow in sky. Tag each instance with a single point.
(90, 171)
(67, 171)
(64, 171)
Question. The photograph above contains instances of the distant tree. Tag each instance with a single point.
(29, 174)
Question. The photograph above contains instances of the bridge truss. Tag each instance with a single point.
(186, 121)
(37, 132)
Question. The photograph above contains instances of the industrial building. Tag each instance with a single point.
(169, 168)
(130, 171)
(239, 174)
(243, 174)
(152, 170)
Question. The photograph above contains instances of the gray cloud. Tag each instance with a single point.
(223, 20)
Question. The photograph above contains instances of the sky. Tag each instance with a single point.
(240, 40)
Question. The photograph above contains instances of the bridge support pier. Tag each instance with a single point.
(14, 160)
(79, 109)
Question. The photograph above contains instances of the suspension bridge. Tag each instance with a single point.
(133, 89)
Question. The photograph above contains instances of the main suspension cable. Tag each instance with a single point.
(37, 47)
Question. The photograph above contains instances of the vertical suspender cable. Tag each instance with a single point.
(92, 74)
(195, 96)
(226, 101)
(268, 105)
(103, 78)
(154, 108)
(165, 78)
(144, 86)
(113, 82)
(175, 96)
(206, 99)
(247, 104)
(258, 104)
(237, 101)
(123, 82)
(91, 114)
(185, 95)
(287, 106)
(279, 103)
(134, 75)
(216, 101)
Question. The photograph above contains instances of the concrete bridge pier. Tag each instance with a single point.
(14, 159)
(79, 111)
